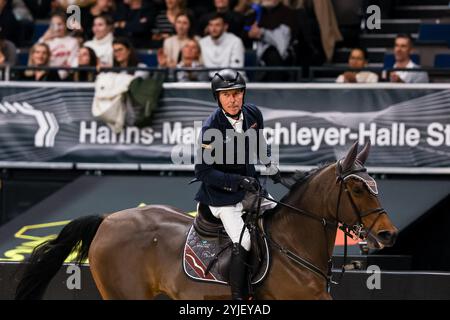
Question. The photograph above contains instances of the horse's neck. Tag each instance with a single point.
(305, 236)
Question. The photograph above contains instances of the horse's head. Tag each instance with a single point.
(359, 207)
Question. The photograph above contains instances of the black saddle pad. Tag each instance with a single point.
(200, 251)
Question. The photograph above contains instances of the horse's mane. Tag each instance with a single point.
(299, 179)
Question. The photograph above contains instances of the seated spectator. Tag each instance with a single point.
(125, 57)
(402, 52)
(98, 8)
(39, 57)
(221, 49)
(172, 45)
(134, 21)
(235, 19)
(165, 21)
(103, 39)
(8, 22)
(86, 58)
(274, 36)
(8, 55)
(63, 48)
(357, 60)
(191, 58)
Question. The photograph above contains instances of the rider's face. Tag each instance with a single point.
(231, 100)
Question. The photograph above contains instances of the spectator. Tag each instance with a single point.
(88, 15)
(327, 22)
(221, 49)
(134, 21)
(235, 19)
(8, 22)
(125, 57)
(165, 20)
(25, 22)
(39, 9)
(349, 14)
(357, 60)
(274, 36)
(65, 3)
(86, 58)
(39, 57)
(308, 47)
(172, 45)
(402, 52)
(191, 58)
(8, 55)
(63, 48)
(103, 39)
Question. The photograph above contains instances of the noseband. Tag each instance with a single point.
(358, 229)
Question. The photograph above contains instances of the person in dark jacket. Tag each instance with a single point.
(134, 20)
(226, 183)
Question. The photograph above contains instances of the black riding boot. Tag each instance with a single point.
(238, 273)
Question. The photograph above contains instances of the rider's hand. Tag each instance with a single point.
(274, 173)
(249, 184)
(276, 178)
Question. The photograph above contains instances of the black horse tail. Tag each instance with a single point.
(47, 258)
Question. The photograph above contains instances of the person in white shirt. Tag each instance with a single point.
(63, 48)
(357, 60)
(221, 49)
(173, 45)
(103, 39)
(402, 52)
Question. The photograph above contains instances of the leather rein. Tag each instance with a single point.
(358, 229)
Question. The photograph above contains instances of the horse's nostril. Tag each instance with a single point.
(387, 236)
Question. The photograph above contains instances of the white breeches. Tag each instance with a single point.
(233, 223)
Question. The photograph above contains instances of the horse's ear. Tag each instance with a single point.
(350, 158)
(364, 154)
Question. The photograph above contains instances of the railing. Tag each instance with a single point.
(253, 74)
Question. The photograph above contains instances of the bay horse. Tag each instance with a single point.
(136, 253)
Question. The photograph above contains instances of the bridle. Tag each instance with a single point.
(358, 229)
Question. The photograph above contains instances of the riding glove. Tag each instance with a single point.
(249, 183)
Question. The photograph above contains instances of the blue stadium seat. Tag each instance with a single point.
(389, 60)
(148, 57)
(39, 30)
(250, 59)
(442, 60)
(22, 57)
(434, 32)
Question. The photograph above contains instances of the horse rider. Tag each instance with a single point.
(224, 184)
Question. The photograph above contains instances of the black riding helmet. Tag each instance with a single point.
(226, 79)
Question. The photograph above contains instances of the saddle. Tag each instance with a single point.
(207, 251)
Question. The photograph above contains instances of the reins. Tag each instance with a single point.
(357, 229)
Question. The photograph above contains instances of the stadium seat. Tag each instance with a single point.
(434, 32)
(389, 60)
(148, 57)
(442, 60)
(39, 30)
(250, 59)
(22, 57)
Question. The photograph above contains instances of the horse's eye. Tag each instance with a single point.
(357, 190)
